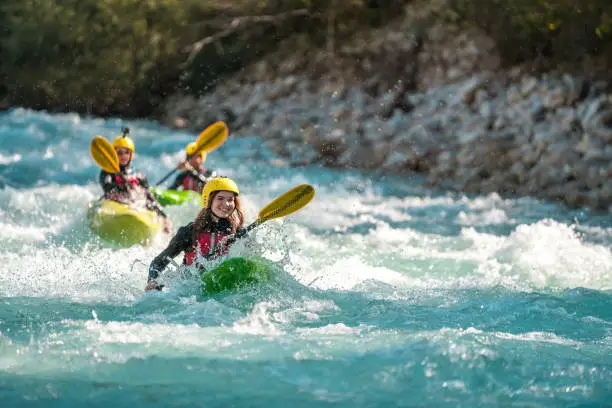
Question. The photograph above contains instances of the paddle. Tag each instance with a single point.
(288, 203)
(211, 138)
(104, 155)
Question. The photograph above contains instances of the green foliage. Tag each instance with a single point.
(124, 56)
(562, 29)
(85, 55)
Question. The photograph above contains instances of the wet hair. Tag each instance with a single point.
(204, 220)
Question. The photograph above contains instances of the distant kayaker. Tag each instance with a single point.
(208, 236)
(128, 186)
(194, 174)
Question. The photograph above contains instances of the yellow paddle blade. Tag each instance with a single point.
(288, 203)
(104, 154)
(212, 137)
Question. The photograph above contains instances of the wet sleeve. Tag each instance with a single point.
(107, 182)
(179, 243)
(241, 232)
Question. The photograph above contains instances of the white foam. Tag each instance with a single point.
(258, 321)
(347, 273)
(489, 217)
(9, 232)
(334, 329)
(349, 237)
(552, 254)
(14, 158)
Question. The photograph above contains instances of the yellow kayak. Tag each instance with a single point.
(122, 224)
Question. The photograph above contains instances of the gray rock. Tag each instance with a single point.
(549, 136)
(528, 85)
(575, 87)
(548, 133)
(568, 118)
(605, 194)
(486, 109)
(596, 155)
(471, 86)
(513, 95)
(554, 98)
(600, 125)
(590, 108)
(396, 160)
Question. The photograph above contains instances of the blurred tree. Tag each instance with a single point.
(564, 30)
(86, 55)
(122, 57)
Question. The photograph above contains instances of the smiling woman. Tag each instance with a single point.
(207, 237)
(219, 225)
(223, 204)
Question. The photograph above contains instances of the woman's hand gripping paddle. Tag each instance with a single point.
(104, 154)
(211, 138)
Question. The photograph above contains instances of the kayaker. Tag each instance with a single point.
(194, 174)
(205, 238)
(128, 186)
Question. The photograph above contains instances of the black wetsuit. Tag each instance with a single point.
(183, 242)
(128, 187)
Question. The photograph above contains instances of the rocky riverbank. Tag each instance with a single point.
(438, 104)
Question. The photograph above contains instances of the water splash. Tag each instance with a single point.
(381, 285)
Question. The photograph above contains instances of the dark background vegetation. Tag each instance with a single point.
(124, 57)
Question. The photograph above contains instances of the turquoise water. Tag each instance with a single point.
(388, 294)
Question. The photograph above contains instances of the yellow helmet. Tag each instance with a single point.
(124, 140)
(191, 148)
(218, 184)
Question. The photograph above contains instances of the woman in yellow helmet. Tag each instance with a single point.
(207, 236)
(127, 186)
(195, 175)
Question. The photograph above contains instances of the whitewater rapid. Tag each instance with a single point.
(390, 294)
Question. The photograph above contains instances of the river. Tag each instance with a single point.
(389, 294)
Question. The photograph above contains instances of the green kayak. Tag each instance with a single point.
(174, 197)
(235, 273)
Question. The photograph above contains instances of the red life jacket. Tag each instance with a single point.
(205, 239)
(192, 184)
(120, 181)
